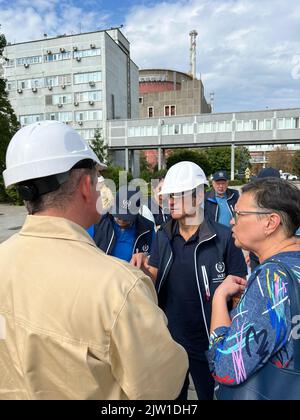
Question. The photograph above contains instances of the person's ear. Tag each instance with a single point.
(273, 221)
(86, 186)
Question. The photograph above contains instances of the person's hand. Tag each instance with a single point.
(232, 286)
(140, 260)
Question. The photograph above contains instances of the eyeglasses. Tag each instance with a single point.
(237, 214)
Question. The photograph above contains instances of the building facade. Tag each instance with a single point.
(167, 93)
(82, 80)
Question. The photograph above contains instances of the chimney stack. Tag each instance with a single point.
(193, 36)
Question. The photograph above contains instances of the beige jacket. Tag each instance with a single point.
(78, 324)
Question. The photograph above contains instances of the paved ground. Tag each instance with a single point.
(11, 220)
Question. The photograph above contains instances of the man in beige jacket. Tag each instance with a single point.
(74, 323)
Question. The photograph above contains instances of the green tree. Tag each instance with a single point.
(297, 162)
(8, 127)
(195, 156)
(113, 172)
(100, 147)
(219, 158)
(242, 158)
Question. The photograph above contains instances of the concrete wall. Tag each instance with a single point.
(188, 100)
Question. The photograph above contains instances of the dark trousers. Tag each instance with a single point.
(203, 381)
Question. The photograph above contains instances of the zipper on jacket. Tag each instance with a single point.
(198, 284)
(164, 273)
(133, 251)
(217, 213)
(113, 235)
(206, 282)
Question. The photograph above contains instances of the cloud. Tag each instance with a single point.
(247, 50)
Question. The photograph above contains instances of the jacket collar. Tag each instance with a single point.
(142, 224)
(205, 231)
(56, 228)
(211, 196)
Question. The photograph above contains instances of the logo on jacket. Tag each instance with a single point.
(145, 248)
(220, 267)
(126, 204)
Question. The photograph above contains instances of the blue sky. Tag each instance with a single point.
(248, 51)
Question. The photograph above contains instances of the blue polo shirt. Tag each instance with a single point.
(125, 239)
(91, 231)
(224, 213)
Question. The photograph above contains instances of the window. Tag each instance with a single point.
(61, 99)
(87, 134)
(89, 115)
(201, 128)
(87, 53)
(11, 86)
(151, 111)
(141, 100)
(268, 124)
(58, 56)
(131, 132)
(177, 129)
(170, 110)
(60, 116)
(187, 128)
(87, 77)
(61, 80)
(29, 60)
(95, 95)
(30, 119)
(207, 127)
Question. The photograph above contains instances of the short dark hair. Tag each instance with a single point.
(279, 196)
(61, 197)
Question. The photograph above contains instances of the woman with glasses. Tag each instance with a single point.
(190, 258)
(259, 330)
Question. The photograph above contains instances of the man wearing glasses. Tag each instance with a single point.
(190, 258)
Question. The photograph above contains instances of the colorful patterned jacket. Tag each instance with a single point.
(262, 327)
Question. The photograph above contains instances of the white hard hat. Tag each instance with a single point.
(43, 149)
(184, 176)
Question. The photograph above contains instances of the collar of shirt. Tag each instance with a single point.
(204, 232)
(55, 227)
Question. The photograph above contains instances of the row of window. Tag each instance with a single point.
(214, 127)
(167, 130)
(53, 81)
(154, 78)
(79, 116)
(169, 110)
(50, 57)
(78, 97)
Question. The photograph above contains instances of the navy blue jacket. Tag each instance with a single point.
(105, 238)
(211, 208)
(215, 254)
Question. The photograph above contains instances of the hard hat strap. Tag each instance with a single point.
(33, 189)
